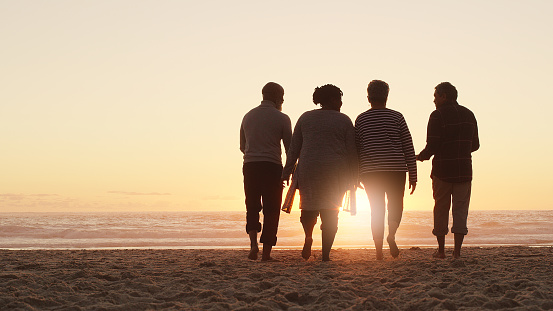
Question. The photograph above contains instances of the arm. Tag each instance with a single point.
(475, 139)
(287, 134)
(353, 159)
(293, 152)
(242, 140)
(409, 153)
(433, 137)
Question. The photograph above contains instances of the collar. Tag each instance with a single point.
(267, 103)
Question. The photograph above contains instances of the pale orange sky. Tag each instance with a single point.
(136, 105)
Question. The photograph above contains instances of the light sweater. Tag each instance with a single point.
(323, 145)
(261, 131)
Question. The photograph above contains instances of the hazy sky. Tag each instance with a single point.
(136, 105)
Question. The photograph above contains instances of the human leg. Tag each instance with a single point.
(459, 210)
(271, 198)
(395, 189)
(442, 203)
(329, 227)
(375, 193)
(252, 191)
(308, 220)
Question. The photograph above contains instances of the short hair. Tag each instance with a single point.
(448, 89)
(326, 93)
(378, 91)
(272, 90)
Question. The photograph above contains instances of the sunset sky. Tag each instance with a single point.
(136, 105)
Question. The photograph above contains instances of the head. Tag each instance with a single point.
(444, 92)
(273, 92)
(377, 92)
(328, 96)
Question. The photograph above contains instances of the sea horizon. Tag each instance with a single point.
(226, 230)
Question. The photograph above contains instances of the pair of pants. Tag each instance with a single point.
(329, 219)
(378, 186)
(456, 196)
(263, 190)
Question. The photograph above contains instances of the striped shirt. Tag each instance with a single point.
(451, 137)
(384, 143)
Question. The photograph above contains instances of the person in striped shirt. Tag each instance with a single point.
(386, 153)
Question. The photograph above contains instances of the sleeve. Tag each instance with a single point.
(475, 139)
(287, 134)
(433, 136)
(242, 138)
(294, 151)
(408, 150)
(357, 137)
(351, 146)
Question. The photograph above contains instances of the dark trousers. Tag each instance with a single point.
(263, 189)
(378, 186)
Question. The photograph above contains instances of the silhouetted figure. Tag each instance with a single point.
(452, 136)
(386, 153)
(262, 130)
(324, 146)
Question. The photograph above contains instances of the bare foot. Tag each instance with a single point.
(394, 250)
(253, 252)
(456, 254)
(306, 251)
(439, 254)
(379, 255)
(326, 258)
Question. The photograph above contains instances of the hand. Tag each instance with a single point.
(412, 186)
(285, 182)
(418, 157)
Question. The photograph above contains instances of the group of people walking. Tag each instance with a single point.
(328, 155)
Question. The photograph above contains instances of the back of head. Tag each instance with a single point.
(378, 91)
(323, 95)
(448, 89)
(272, 91)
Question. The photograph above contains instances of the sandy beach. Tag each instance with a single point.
(515, 278)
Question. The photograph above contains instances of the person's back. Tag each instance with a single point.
(459, 138)
(261, 132)
(385, 150)
(383, 141)
(452, 135)
(324, 135)
(263, 129)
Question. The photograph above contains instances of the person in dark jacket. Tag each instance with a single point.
(452, 136)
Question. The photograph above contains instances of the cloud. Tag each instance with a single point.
(137, 193)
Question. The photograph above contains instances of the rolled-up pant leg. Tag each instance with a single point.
(252, 190)
(442, 202)
(263, 191)
(460, 207)
(272, 200)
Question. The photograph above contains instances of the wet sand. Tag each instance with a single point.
(515, 278)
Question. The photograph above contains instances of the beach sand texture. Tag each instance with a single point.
(515, 278)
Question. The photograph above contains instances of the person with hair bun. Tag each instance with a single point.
(323, 145)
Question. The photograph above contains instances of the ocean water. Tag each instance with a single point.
(227, 230)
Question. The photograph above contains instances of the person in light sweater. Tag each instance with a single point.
(323, 144)
(262, 130)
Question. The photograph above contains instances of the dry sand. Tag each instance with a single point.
(515, 278)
